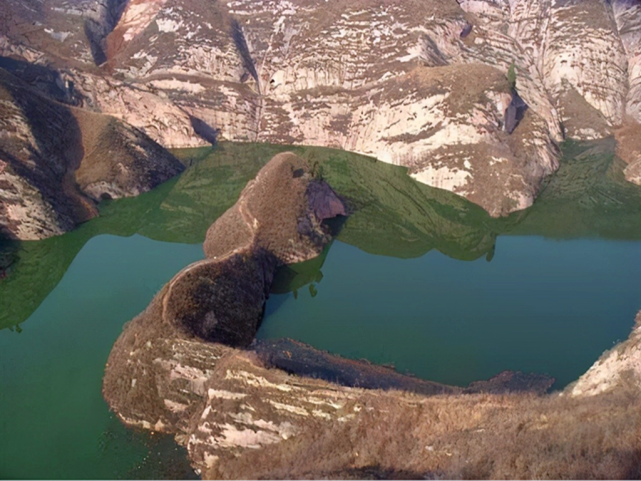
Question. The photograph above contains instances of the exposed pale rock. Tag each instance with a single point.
(628, 19)
(598, 73)
(633, 172)
(137, 16)
(621, 366)
(330, 73)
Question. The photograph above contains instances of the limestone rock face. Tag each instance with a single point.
(628, 20)
(383, 78)
(56, 161)
(597, 73)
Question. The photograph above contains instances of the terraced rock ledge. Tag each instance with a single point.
(188, 365)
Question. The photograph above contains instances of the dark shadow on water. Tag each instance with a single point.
(294, 277)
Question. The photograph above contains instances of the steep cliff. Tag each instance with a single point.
(421, 84)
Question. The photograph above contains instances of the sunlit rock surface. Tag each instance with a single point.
(405, 82)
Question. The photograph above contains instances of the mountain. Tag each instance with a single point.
(422, 84)
(57, 162)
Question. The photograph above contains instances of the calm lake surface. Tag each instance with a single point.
(540, 305)
(54, 422)
(417, 278)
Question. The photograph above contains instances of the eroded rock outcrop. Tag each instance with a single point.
(277, 220)
(57, 161)
(375, 77)
(619, 366)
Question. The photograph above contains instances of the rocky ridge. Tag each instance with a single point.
(420, 84)
(58, 161)
(187, 366)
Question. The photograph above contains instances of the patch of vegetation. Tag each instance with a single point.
(511, 76)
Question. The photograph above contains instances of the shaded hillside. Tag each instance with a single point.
(57, 161)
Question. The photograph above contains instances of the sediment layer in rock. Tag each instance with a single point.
(384, 78)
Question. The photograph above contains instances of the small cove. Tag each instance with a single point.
(407, 282)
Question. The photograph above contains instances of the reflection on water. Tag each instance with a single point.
(545, 306)
(542, 305)
(55, 423)
(70, 295)
(392, 214)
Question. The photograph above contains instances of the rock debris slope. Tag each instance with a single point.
(416, 83)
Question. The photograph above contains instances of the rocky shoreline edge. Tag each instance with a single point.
(189, 366)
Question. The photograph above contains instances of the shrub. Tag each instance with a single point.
(511, 76)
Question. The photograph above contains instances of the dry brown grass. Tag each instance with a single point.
(221, 301)
(269, 215)
(462, 437)
(629, 142)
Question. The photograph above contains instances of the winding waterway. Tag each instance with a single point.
(417, 277)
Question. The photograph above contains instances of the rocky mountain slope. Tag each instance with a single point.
(57, 162)
(417, 83)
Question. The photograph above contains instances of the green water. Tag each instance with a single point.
(407, 282)
(540, 306)
(54, 422)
